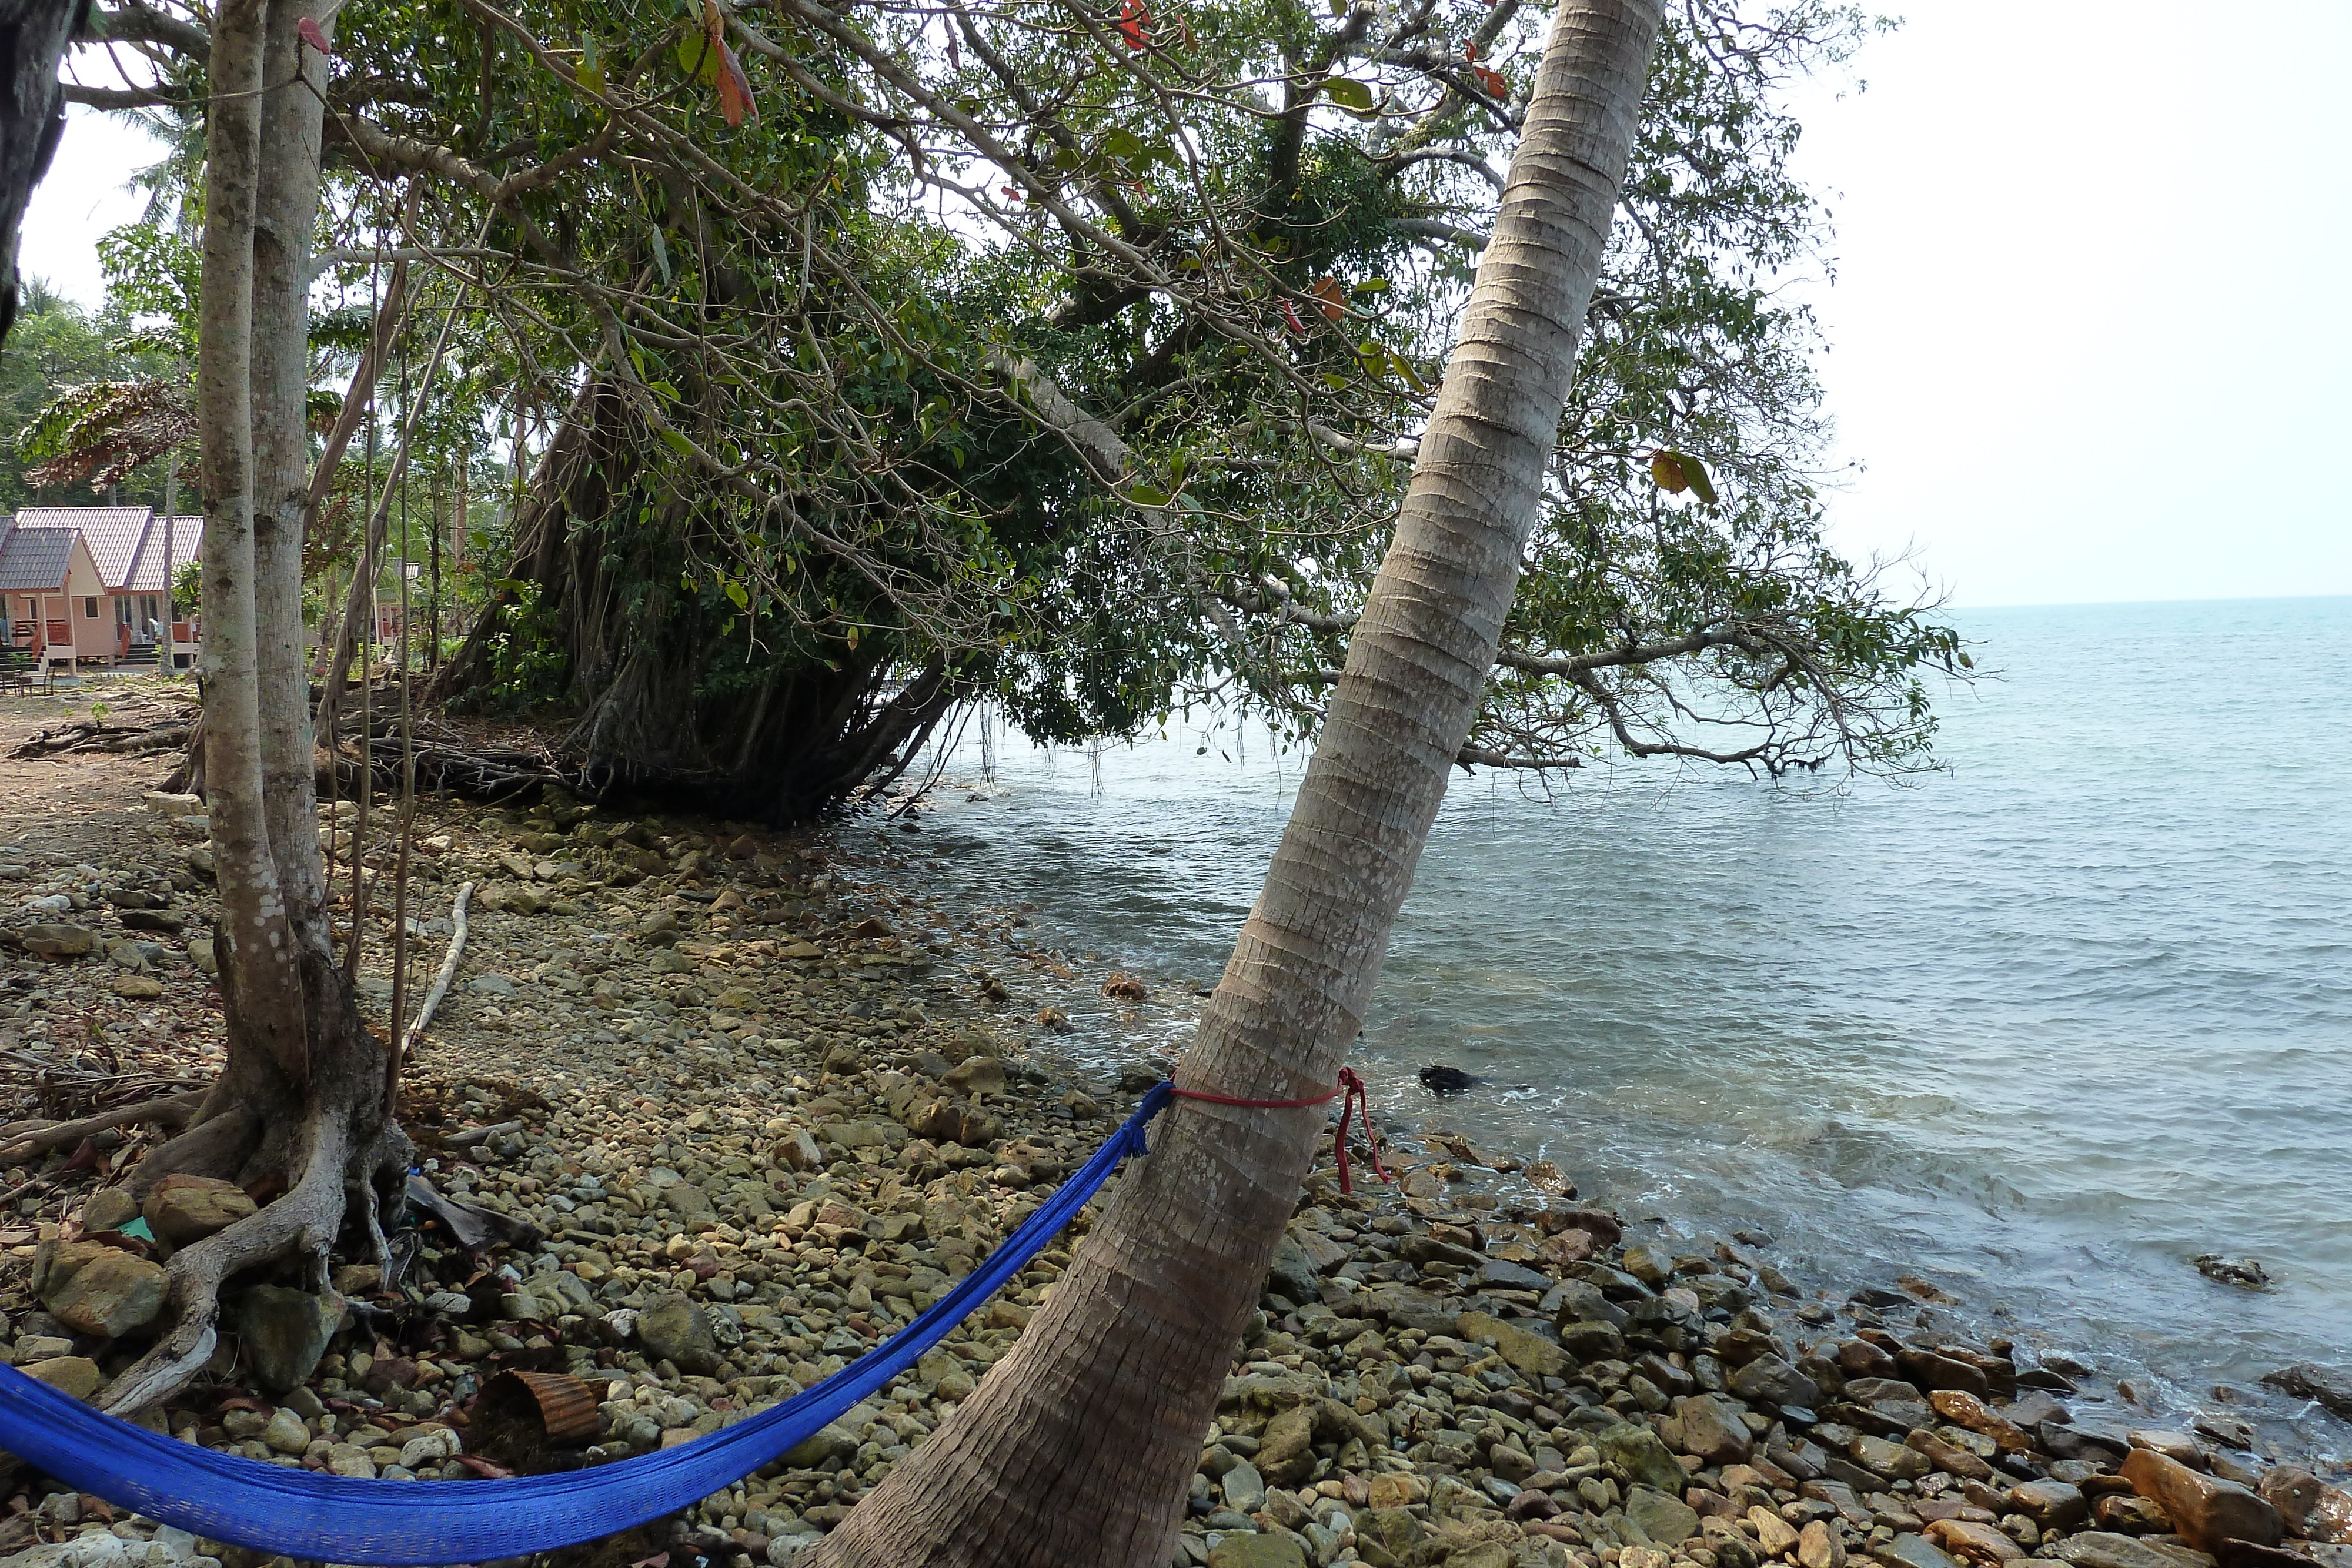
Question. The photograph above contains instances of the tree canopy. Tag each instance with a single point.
(872, 357)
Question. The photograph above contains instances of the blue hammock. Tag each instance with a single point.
(308, 1514)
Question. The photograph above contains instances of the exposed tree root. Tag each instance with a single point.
(27, 1142)
(93, 736)
(303, 1221)
(215, 1147)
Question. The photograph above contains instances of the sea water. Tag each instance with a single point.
(2043, 1027)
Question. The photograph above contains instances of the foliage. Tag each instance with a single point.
(1079, 355)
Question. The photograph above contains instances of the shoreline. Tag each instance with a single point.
(1466, 1368)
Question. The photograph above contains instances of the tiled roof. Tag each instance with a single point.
(35, 558)
(147, 574)
(114, 533)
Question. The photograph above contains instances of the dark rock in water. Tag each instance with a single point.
(2331, 1387)
(1439, 1079)
(2243, 1272)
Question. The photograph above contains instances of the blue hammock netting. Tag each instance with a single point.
(311, 1515)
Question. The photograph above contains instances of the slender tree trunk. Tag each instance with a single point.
(258, 966)
(1077, 1448)
(300, 1104)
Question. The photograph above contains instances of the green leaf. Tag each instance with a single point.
(591, 63)
(737, 596)
(679, 443)
(1145, 496)
(1372, 285)
(661, 254)
(696, 57)
(1349, 94)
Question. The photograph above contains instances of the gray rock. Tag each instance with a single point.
(284, 1332)
(833, 1442)
(1250, 1549)
(1769, 1380)
(1912, 1551)
(1497, 1273)
(1293, 1272)
(1643, 1456)
(2104, 1548)
(1244, 1488)
(1714, 1431)
(689, 1201)
(1581, 1301)
(1592, 1342)
(108, 1209)
(112, 1294)
(491, 986)
(673, 1329)
(1666, 1520)
(59, 941)
(2329, 1385)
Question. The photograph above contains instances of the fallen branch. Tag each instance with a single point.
(91, 736)
(448, 972)
(173, 1111)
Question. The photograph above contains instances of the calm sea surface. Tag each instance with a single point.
(2045, 1027)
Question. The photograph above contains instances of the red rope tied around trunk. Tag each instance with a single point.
(1356, 1096)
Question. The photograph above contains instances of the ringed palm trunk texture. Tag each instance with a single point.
(1077, 1447)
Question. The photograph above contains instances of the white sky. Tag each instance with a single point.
(2090, 336)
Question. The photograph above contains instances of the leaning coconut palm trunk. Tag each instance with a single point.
(1077, 1447)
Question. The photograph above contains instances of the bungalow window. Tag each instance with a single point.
(89, 609)
(122, 611)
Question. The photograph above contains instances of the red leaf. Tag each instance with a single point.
(1334, 298)
(482, 1467)
(1291, 316)
(1133, 18)
(1493, 81)
(735, 100)
(310, 33)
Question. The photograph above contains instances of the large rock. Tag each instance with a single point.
(1249, 1548)
(1896, 1461)
(673, 1329)
(831, 1442)
(184, 1208)
(1644, 1459)
(2329, 1385)
(284, 1332)
(59, 941)
(1530, 1354)
(1286, 1451)
(112, 1294)
(75, 1374)
(1593, 1341)
(1768, 1380)
(2206, 1510)
(2104, 1548)
(108, 1208)
(1973, 1542)
(2050, 1505)
(1714, 1431)
(1293, 1273)
(1666, 1520)
(2308, 1506)
(1912, 1551)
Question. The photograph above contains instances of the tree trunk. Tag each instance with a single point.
(301, 1107)
(636, 653)
(1077, 1448)
(33, 34)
